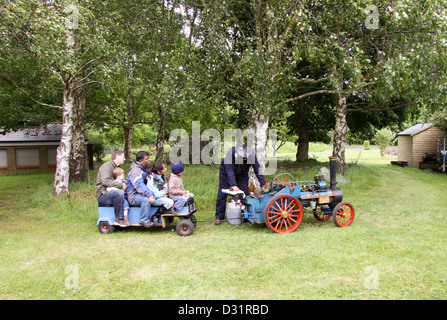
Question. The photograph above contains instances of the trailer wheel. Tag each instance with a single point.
(185, 227)
(343, 214)
(105, 227)
(193, 219)
(283, 213)
(169, 220)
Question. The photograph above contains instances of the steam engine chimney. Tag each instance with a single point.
(338, 194)
(333, 172)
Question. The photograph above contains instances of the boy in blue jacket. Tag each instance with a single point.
(138, 194)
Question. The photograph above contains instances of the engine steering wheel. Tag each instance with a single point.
(283, 180)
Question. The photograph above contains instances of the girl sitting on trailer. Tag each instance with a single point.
(157, 183)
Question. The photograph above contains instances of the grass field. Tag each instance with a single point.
(395, 248)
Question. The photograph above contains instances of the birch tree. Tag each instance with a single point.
(242, 43)
(376, 57)
(48, 34)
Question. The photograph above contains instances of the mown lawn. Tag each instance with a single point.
(395, 249)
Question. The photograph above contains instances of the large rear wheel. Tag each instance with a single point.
(283, 213)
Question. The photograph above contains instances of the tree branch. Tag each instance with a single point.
(84, 66)
(85, 84)
(366, 110)
(27, 93)
(309, 94)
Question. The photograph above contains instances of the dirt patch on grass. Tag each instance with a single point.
(84, 194)
(3, 204)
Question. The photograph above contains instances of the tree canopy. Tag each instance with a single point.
(305, 67)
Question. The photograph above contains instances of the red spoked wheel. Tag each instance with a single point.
(320, 215)
(343, 214)
(283, 213)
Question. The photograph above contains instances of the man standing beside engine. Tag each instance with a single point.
(234, 174)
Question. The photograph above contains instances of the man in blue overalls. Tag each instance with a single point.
(233, 175)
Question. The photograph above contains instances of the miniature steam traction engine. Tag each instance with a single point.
(282, 208)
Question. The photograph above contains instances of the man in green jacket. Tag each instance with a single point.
(105, 179)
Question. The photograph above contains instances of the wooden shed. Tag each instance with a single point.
(30, 150)
(415, 142)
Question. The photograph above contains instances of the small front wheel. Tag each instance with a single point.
(105, 227)
(185, 227)
(343, 214)
(320, 214)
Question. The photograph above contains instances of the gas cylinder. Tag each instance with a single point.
(234, 215)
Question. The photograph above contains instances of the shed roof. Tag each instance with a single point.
(415, 129)
(51, 132)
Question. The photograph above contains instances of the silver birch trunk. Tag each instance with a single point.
(79, 159)
(341, 126)
(128, 128)
(257, 141)
(62, 174)
(161, 135)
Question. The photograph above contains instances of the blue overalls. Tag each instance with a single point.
(234, 174)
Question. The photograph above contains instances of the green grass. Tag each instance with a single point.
(398, 235)
(290, 148)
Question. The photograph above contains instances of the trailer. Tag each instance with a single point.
(185, 226)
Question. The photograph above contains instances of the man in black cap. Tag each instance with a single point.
(233, 175)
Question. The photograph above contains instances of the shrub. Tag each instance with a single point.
(383, 138)
(366, 145)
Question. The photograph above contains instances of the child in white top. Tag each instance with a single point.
(157, 183)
